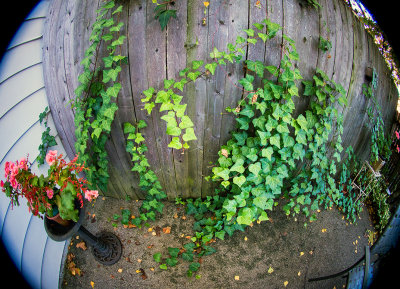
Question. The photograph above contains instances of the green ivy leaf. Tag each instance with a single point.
(267, 152)
(256, 66)
(186, 122)
(175, 143)
(247, 82)
(168, 83)
(196, 64)
(157, 257)
(164, 17)
(255, 168)
(245, 216)
(211, 67)
(275, 140)
(239, 180)
(189, 134)
(238, 166)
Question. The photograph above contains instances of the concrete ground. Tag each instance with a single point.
(280, 253)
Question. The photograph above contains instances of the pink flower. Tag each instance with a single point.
(90, 195)
(397, 134)
(23, 164)
(2, 183)
(398, 149)
(51, 157)
(49, 193)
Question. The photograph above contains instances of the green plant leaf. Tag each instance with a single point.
(211, 67)
(175, 143)
(275, 140)
(239, 180)
(244, 216)
(164, 17)
(189, 134)
(157, 257)
(196, 64)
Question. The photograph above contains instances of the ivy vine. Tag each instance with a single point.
(95, 104)
(259, 166)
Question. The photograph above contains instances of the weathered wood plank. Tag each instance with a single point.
(196, 49)
(274, 12)
(301, 23)
(176, 61)
(52, 81)
(237, 22)
(155, 56)
(137, 50)
(218, 37)
(356, 101)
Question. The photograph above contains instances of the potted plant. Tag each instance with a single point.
(59, 196)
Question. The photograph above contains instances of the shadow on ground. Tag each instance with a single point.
(280, 253)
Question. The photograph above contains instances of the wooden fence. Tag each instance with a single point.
(155, 55)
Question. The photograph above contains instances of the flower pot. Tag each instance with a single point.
(59, 220)
(61, 232)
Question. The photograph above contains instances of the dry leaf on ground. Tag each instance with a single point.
(81, 245)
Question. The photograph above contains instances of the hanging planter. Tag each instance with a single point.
(60, 197)
(106, 247)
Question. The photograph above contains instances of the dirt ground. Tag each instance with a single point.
(280, 253)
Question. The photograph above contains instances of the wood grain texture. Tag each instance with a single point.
(155, 55)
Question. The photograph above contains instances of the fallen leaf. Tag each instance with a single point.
(152, 269)
(138, 271)
(270, 270)
(237, 278)
(144, 276)
(150, 229)
(183, 217)
(166, 230)
(103, 199)
(301, 253)
(139, 260)
(81, 245)
(150, 246)
(154, 233)
(285, 283)
(245, 238)
(311, 252)
(120, 270)
(112, 276)
(176, 216)
(92, 284)
(323, 230)
(298, 274)
(224, 152)
(206, 3)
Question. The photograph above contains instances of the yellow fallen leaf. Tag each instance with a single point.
(176, 216)
(285, 283)
(120, 270)
(92, 284)
(301, 253)
(138, 271)
(152, 269)
(245, 238)
(206, 3)
(81, 245)
(154, 233)
(310, 252)
(139, 260)
(150, 229)
(270, 270)
(237, 278)
(166, 230)
(224, 152)
(323, 230)
(298, 274)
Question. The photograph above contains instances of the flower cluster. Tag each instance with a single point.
(397, 133)
(59, 189)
